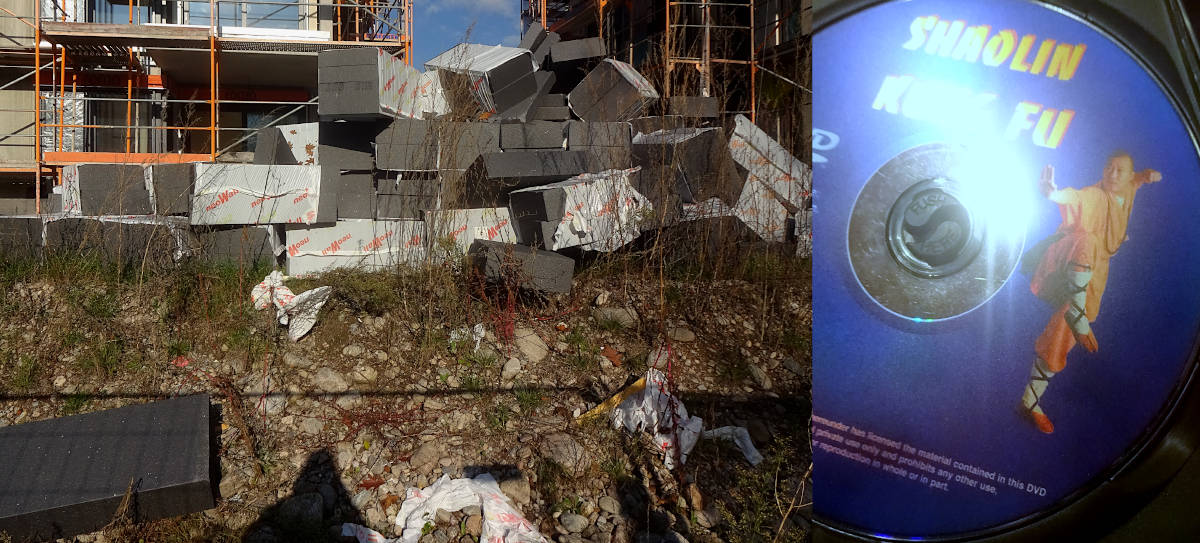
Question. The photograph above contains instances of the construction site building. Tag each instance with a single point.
(164, 81)
(753, 55)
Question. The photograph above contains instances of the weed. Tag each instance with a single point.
(178, 348)
(528, 400)
(751, 508)
(614, 467)
(72, 338)
(610, 325)
(104, 357)
(102, 305)
(26, 374)
(497, 418)
(796, 341)
(472, 383)
(75, 403)
(582, 354)
(571, 504)
(549, 475)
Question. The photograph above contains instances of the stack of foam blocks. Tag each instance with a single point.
(502, 154)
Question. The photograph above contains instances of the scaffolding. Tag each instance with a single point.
(683, 36)
(151, 63)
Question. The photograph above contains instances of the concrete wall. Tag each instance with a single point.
(16, 127)
(13, 32)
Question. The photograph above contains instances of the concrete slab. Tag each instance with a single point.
(583, 134)
(67, 476)
(115, 241)
(551, 100)
(528, 268)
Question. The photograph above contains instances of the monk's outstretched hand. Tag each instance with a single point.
(1150, 176)
(1046, 183)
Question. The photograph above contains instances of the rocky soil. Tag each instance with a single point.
(335, 428)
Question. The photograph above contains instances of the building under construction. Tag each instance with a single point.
(164, 81)
(753, 55)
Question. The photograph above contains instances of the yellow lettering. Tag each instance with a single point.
(1065, 61)
(971, 44)
(1018, 61)
(1061, 120)
(1043, 54)
(917, 29)
(944, 36)
(999, 47)
(1020, 121)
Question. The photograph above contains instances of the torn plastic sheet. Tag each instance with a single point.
(431, 100)
(650, 408)
(297, 311)
(771, 164)
(398, 91)
(759, 209)
(601, 211)
(501, 522)
(804, 233)
(740, 437)
(475, 333)
(711, 208)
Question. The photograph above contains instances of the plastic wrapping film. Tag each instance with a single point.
(302, 140)
(463, 226)
(355, 243)
(70, 190)
(770, 163)
(431, 99)
(761, 212)
(602, 211)
(398, 86)
(256, 194)
(475, 61)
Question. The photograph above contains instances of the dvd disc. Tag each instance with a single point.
(1006, 264)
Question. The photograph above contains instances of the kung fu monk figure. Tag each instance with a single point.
(1069, 270)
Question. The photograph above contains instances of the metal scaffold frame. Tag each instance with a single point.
(706, 60)
(384, 23)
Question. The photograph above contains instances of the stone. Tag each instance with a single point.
(329, 381)
(658, 358)
(231, 484)
(530, 345)
(679, 333)
(626, 317)
(442, 516)
(511, 369)
(360, 500)
(296, 360)
(610, 505)
(517, 489)
(573, 523)
(426, 454)
(376, 518)
(274, 404)
(472, 510)
(59, 381)
(364, 374)
(760, 377)
(791, 365)
(564, 450)
(602, 298)
(311, 425)
(353, 351)
(306, 509)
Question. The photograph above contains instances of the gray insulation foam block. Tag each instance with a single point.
(66, 476)
(529, 268)
(113, 189)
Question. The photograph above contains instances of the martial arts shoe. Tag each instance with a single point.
(1042, 422)
(1088, 341)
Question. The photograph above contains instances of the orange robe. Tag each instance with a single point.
(1093, 226)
